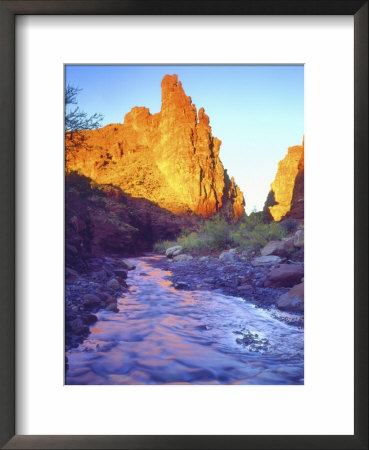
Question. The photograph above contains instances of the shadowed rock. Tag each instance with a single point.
(101, 220)
(293, 300)
(284, 275)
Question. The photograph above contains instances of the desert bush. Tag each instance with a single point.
(254, 219)
(216, 235)
(192, 243)
(161, 246)
(213, 235)
(253, 234)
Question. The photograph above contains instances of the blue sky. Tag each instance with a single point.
(257, 111)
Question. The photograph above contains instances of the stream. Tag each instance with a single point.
(162, 335)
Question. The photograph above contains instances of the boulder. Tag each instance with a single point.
(113, 284)
(285, 275)
(110, 300)
(182, 257)
(293, 300)
(90, 299)
(98, 275)
(247, 254)
(121, 273)
(228, 255)
(89, 319)
(173, 251)
(127, 265)
(103, 296)
(299, 239)
(298, 255)
(77, 326)
(278, 248)
(112, 307)
(265, 260)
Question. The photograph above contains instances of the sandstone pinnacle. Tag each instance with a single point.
(170, 158)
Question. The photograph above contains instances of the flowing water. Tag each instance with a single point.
(162, 335)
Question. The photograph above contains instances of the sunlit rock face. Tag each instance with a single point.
(170, 158)
(286, 197)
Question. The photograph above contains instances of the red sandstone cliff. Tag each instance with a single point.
(286, 197)
(170, 158)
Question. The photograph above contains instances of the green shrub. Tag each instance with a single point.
(216, 235)
(161, 246)
(254, 219)
(251, 236)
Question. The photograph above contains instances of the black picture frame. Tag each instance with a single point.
(8, 12)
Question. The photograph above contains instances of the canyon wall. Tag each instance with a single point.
(101, 219)
(170, 158)
(286, 197)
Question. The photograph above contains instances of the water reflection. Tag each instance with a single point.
(162, 335)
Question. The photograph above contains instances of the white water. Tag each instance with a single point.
(163, 335)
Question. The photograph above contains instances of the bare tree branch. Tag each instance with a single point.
(77, 120)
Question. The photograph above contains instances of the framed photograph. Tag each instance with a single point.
(159, 240)
(172, 276)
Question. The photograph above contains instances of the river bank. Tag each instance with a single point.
(162, 334)
(234, 275)
(106, 281)
(98, 287)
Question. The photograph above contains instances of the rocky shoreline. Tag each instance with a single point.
(86, 293)
(273, 280)
(268, 281)
(237, 278)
